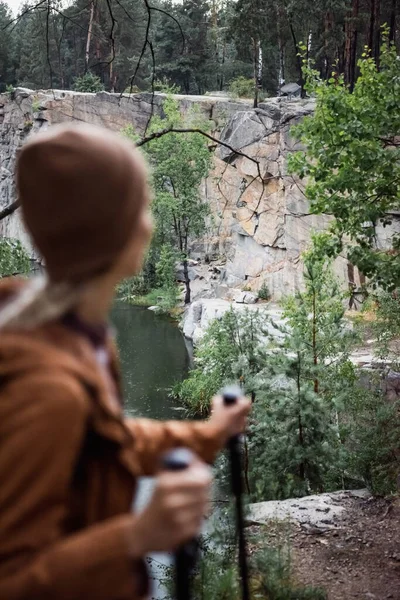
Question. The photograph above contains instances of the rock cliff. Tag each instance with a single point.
(258, 229)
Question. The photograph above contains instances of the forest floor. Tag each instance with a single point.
(358, 559)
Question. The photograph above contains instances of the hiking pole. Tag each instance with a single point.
(185, 557)
(230, 394)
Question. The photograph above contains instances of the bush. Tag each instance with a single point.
(273, 580)
(230, 350)
(88, 83)
(371, 433)
(270, 572)
(132, 90)
(165, 86)
(134, 286)
(263, 292)
(14, 259)
(241, 87)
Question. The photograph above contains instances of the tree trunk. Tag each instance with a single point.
(187, 281)
(328, 60)
(281, 46)
(302, 468)
(350, 50)
(89, 36)
(374, 29)
(298, 59)
(392, 31)
(314, 338)
(257, 58)
(113, 76)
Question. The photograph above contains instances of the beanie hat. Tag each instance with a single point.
(81, 190)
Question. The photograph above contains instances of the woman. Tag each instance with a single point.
(69, 460)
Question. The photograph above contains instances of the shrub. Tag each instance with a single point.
(14, 259)
(371, 433)
(241, 87)
(88, 83)
(263, 292)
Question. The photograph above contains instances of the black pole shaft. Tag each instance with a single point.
(230, 395)
(185, 557)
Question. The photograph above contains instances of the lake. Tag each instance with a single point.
(154, 356)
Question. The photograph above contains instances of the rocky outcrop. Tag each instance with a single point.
(260, 220)
(201, 313)
(318, 512)
(262, 225)
(24, 112)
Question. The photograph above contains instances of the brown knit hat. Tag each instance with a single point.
(81, 189)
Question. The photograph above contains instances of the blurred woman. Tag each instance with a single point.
(69, 460)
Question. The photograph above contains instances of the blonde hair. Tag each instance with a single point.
(39, 302)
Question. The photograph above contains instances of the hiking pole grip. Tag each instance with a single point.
(185, 556)
(230, 395)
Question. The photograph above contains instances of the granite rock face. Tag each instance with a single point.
(260, 220)
(24, 112)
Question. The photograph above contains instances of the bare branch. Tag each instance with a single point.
(25, 12)
(9, 210)
(158, 134)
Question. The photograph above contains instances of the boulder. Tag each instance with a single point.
(201, 313)
(245, 298)
(321, 511)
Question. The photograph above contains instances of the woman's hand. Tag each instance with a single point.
(230, 420)
(175, 512)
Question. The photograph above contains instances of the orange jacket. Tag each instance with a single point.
(68, 468)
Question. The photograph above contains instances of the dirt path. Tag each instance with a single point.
(359, 559)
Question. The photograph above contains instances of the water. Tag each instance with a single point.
(154, 356)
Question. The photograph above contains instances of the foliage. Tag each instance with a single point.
(295, 442)
(197, 46)
(352, 161)
(271, 577)
(13, 258)
(386, 326)
(166, 267)
(273, 580)
(88, 83)
(371, 432)
(230, 350)
(128, 289)
(263, 292)
(179, 163)
(165, 86)
(241, 87)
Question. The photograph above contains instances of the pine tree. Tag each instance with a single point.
(295, 439)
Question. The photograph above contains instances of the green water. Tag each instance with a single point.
(153, 356)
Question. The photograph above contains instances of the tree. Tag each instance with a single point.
(6, 70)
(180, 162)
(88, 83)
(294, 441)
(352, 162)
(248, 24)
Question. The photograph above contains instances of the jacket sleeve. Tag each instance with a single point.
(42, 426)
(153, 438)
